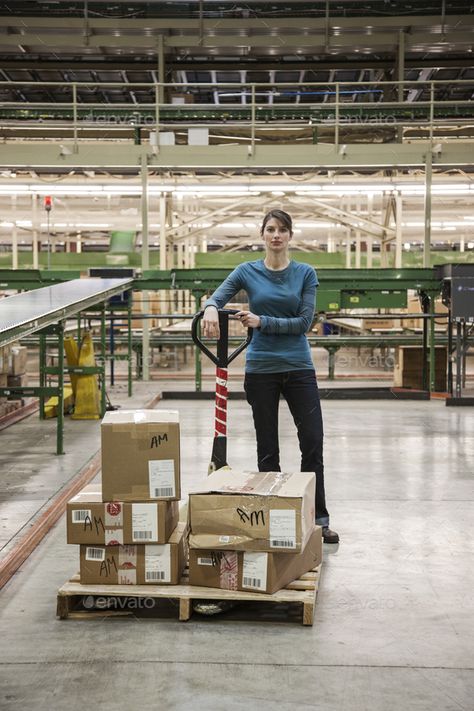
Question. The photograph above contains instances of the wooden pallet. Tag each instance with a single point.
(74, 600)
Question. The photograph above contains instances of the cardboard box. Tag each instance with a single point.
(18, 360)
(92, 521)
(17, 381)
(4, 358)
(414, 307)
(141, 564)
(253, 511)
(376, 324)
(140, 455)
(253, 571)
(408, 370)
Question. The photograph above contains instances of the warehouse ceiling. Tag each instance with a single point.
(222, 42)
(215, 44)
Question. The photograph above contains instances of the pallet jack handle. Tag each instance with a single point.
(222, 358)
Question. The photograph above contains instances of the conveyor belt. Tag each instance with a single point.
(28, 312)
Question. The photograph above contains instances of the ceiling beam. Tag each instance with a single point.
(394, 22)
(215, 64)
(317, 42)
(50, 155)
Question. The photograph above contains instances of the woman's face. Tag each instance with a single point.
(276, 236)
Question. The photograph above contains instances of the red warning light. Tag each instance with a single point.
(48, 203)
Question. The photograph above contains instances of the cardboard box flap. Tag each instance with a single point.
(179, 532)
(140, 417)
(90, 494)
(256, 483)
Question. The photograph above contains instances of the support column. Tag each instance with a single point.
(398, 230)
(358, 237)
(400, 76)
(369, 238)
(163, 260)
(145, 266)
(34, 206)
(78, 243)
(427, 236)
(14, 236)
(347, 207)
(161, 69)
(348, 248)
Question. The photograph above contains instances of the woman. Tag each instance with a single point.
(281, 298)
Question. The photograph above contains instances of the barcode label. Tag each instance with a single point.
(81, 515)
(95, 554)
(142, 535)
(164, 491)
(283, 543)
(282, 528)
(161, 474)
(144, 522)
(158, 563)
(254, 570)
(205, 561)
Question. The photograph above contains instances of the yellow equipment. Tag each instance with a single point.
(87, 401)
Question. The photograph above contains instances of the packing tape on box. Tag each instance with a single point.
(262, 484)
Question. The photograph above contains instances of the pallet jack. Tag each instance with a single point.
(222, 360)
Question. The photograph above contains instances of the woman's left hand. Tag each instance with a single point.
(248, 319)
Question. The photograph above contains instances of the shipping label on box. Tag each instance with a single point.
(140, 564)
(253, 571)
(140, 455)
(93, 521)
(253, 511)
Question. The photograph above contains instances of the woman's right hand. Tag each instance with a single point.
(210, 323)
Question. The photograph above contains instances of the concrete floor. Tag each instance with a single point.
(394, 624)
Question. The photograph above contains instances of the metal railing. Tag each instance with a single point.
(314, 105)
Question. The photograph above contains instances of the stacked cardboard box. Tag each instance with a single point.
(13, 361)
(128, 529)
(151, 305)
(253, 531)
(416, 323)
(408, 371)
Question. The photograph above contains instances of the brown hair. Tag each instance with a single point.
(279, 215)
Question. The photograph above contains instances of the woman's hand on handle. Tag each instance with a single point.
(248, 319)
(210, 323)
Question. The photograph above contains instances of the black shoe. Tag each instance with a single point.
(330, 536)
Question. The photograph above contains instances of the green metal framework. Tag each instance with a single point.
(338, 289)
(52, 325)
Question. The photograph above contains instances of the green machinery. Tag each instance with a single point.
(339, 289)
(44, 310)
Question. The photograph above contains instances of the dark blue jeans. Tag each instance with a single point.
(300, 390)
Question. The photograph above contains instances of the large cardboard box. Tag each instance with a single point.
(18, 357)
(140, 455)
(253, 571)
(141, 564)
(408, 371)
(92, 521)
(253, 511)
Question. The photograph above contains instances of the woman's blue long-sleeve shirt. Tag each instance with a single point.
(285, 302)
